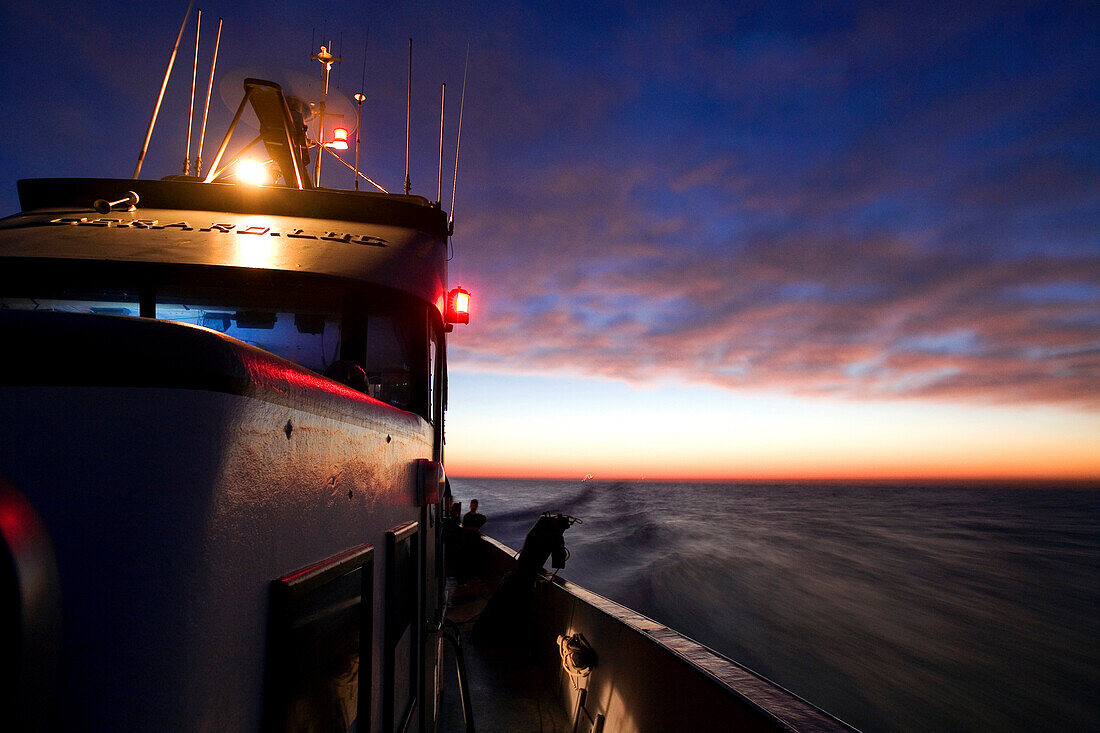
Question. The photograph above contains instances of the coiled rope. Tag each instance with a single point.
(577, 657)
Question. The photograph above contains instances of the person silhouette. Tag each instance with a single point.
(473, 519)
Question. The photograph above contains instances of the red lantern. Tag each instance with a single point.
(458, 306)
(339, 139)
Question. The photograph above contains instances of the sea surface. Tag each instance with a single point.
(895, 608)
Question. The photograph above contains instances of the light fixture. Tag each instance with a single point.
(339, 139)
(458, 306)
(252, 172)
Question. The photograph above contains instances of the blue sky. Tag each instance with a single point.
(860, 211)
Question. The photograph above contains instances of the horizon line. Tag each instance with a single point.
(1061, 481)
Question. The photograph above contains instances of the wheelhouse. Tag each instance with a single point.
(357, 298)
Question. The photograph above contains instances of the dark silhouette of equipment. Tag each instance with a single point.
(507, 617)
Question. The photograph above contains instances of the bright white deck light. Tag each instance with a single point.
(252, 172)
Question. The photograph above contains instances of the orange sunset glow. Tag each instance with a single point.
(614, 430)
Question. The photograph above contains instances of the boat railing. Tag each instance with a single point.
(648, 676)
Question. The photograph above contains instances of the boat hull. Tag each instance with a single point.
(176, 487)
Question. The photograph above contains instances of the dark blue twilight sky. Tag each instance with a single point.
(831, 200)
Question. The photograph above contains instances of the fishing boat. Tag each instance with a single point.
(223, 502)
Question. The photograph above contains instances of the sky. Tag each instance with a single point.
(704, 240)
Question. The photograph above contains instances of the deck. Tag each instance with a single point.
(647, 677)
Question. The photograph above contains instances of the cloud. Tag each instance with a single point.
(801, 300)
(874, 204)
(894, 201)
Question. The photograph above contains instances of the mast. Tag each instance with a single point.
(163, 86)
(206, 107)
(458, 144)
(326, 60)
(408, 117)
(191, 107)
(359, 99)
(442, 108)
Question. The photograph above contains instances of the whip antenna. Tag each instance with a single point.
(163, 86)
(191, 107)
(458, 145)
(366, 42)
(442, 107)
(341, 51)
(206, 107)
(359, 99)
(408, 117)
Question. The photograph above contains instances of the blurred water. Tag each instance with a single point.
(894, 608)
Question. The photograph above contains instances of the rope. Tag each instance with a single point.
(577, 658)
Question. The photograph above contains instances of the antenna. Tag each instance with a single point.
(341, 51)
(359, 99)
(442, 107)
(458, 145)
(206, 107)
(366, 42)
(326, 60)
(191, 108)
(163, 86)
(408, 117)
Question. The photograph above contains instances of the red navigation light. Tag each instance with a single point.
(339, 139)
(458, 306)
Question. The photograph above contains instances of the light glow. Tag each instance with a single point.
(458, 306)
(253, 244)
(252, 172)
(339, 139)
(614, 430)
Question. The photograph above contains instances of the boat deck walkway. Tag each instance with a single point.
(647, 677)
(508, 690)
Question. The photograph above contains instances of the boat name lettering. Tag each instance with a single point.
(183, 226)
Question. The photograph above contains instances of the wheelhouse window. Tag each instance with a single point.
(112, 304)
(387, 363)
(311, 339)
(435, 370)
(377, 340)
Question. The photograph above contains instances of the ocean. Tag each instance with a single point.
(895, 608)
